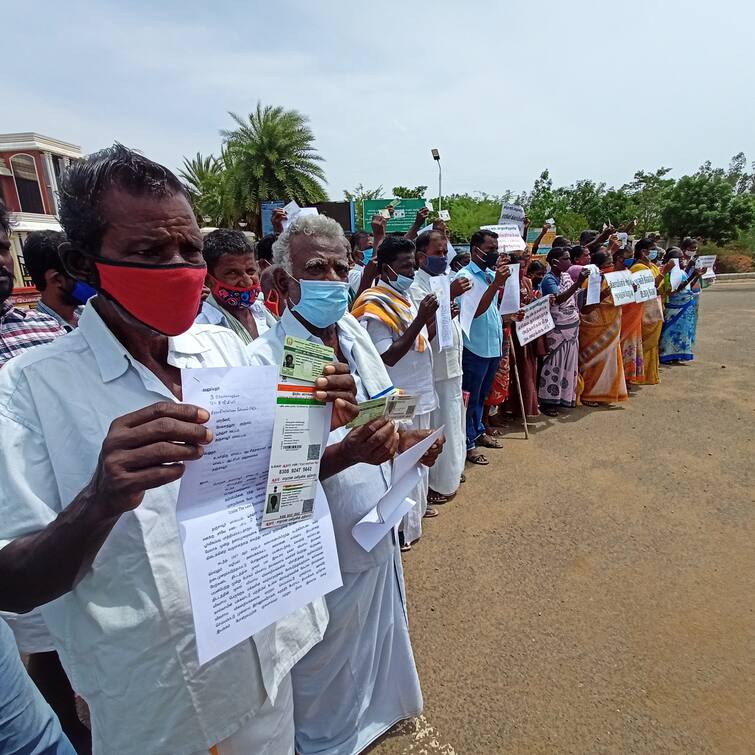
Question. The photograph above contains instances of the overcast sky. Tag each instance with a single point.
(504, 89)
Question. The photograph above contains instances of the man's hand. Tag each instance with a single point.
(378, 225)
(277, 219)
(460, 286)
(502, 273)
(338, 387)
(455, 310)
(518, 316)
(421, 219)
(144, 450)
(613, 243)
(546, 227)
(584, 274)
(427, 308)
(409, 438)
(373, 443)
(668, 267)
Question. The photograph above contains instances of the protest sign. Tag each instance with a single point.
(509, 238)
(546, 243)
(593, 285)
(469, 303)
(441, 287)
(537, 321)
(242, 578)
(644, 282)
(676, 276)
(706, 261)
(622, 289)
(512, 214)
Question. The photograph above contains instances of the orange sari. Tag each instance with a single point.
(631, 342)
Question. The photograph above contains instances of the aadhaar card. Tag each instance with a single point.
(400, 408)
(368, 410)
(304, 360)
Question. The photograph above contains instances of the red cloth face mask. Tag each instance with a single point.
(165, 298)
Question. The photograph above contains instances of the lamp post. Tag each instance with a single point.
(436, 157)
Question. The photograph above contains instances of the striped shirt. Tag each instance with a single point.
(20, 329)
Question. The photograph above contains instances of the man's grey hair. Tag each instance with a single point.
(306, 225)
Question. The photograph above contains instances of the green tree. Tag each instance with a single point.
(404, 192)
(271, 155)
(468, 213)
(204, 177)
(706, 205)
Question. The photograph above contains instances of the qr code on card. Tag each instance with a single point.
(313, 452)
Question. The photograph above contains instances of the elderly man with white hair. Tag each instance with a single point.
(361, 679)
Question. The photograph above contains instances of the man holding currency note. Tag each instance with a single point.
(361, 678)
(93, 436)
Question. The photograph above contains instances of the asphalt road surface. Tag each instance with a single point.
(593, 589)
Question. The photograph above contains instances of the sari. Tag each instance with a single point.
(652, 324)
(525, 358)
(500, 390)
(600, 361)
(631, 342)
(558, 377)
(678, 335)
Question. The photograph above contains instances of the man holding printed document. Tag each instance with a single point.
(92, 534)
(361, 678)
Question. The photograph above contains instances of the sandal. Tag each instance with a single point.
(549, 412)
(430, 513)
(463, 478)
(436, 498)
(404, 547)
(477, 459)
(493, 432)
(593, 404)
(487, 442)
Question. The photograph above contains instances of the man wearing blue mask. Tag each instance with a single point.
(402, 333)
(62, 297)
(361, 679)
(483, 345)
(445, 475)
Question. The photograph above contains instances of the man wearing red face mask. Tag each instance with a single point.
(93, 436)
(233, 279)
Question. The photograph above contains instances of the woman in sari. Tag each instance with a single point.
(677, 342)
(600, 363)
(558, 377)
(631, 327)
(652, 311)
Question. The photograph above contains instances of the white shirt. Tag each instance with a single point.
(355, 277)
(446, 363)
(210, 315)
(357, 489)
(413, 373)
(125, 633)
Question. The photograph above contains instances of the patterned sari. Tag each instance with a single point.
(631, 342)
(678, 334)
(500, 390)
(600, 362)
(558, 377)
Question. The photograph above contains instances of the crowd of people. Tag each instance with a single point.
(94, 433)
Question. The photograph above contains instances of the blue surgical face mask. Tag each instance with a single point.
(322, 303)
(629, 262)
(82, 292)
(653, 255)
(367, 255)
(435, 265)
(402, 283)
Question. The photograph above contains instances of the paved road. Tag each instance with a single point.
(593, 590)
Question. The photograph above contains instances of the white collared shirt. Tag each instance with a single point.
(446, 363)
(263, 318)
(357, 489)
(125, 633)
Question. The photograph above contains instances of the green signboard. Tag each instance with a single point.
(404, 213)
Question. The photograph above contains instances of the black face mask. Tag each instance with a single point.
(491, 260)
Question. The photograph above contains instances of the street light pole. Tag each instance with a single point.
(436, 157)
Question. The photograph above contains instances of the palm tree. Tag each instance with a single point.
(205, 179)
(271, 155)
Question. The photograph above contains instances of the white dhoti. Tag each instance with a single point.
(269, 732)
(411, 524)
(446, 472)
(361, 679)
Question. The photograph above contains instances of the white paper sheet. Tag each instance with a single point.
(406, 475)
(537, 321)
(593, 285)
(622, 289)
(241, 578)
(440, 285)
(470, 300)
(644, 280)
(292, 210)
(511, 299)
(676, 275)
